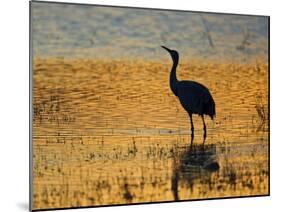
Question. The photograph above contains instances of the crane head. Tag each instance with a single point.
(174, 54)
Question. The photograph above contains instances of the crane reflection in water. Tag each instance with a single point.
(196, 162)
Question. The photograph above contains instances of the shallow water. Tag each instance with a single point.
(111, 132)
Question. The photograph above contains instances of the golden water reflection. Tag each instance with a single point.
(111, 132)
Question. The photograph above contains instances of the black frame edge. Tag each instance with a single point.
(30, 110)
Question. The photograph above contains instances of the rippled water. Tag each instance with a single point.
(113, 133)
(108, 130)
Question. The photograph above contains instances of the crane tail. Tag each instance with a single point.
(210, 109)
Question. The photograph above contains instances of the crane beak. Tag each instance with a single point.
(169, 50)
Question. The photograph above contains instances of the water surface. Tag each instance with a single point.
(113, 133)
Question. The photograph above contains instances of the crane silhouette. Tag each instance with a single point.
(194, 97)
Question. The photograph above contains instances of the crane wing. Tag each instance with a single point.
(195, 98)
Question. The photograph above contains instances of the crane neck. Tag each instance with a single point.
(173, 76)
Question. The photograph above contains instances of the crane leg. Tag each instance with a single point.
(204, 128)
(192, 127)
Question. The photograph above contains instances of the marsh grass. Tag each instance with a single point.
(262, 113)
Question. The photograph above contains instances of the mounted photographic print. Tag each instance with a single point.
(137, 105)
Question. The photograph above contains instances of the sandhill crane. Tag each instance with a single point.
(194, 97)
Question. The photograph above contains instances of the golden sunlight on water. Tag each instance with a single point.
(111, 132)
